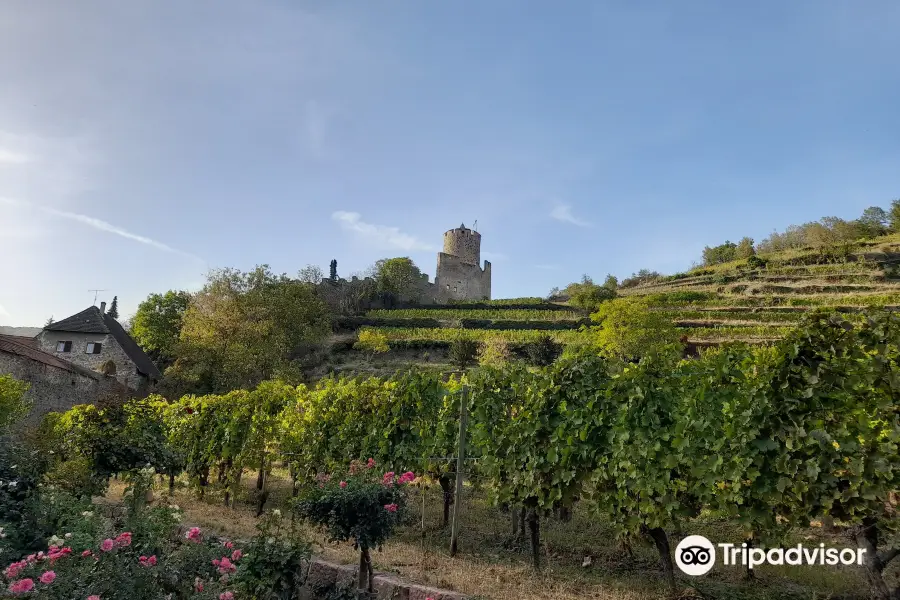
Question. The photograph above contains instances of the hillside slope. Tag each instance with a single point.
(761, 298)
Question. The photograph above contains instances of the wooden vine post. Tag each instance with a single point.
(460, 461)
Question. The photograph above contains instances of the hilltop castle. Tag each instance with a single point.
(459, 276)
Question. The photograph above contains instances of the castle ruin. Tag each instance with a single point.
(459, 276)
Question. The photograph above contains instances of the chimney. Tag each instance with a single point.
(103, 307)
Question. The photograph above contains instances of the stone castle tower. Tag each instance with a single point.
(459, 276)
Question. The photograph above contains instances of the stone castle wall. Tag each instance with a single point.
(461, 280)
(464, 244)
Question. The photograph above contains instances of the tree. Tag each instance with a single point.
(894, 216)
(48, 322)
(332, 270)
(874, 221)
(611, 282)
(157, 324)
(311, 274)
(587, 294)
(543, 351)
(628, 329)
(114, 308)
(744, 248)
(13, 405)
(398, 276)
(242, 326)
(715, 255)
(463, 353)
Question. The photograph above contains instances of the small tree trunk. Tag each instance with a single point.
(260, 478)
(659, 537)
(204, 480)
(534, 527)
(522, 515)
(748, 575)
(171, 484)
(264, 493)
(565, 514)
(223, 468)
(514, 517)
(867, 538)
(364, 578)
(447, 488)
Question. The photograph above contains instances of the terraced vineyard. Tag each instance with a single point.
(762, 299)
(755, 301)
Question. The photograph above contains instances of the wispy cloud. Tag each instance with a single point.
(563, 212)
(101, 225)
(547, 267)
(381, 235)
(11, 157)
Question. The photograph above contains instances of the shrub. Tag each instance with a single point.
(494, 352)
(362, 507)
(463, 353)
(13, 405)
(543, 351)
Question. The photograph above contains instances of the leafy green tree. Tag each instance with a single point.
(242, 326)
(611, 282)
(156, 326)
(874, 221)
(543, 351)
(744, 248)
(894, 216)
(399, 277)
(114, 308)
(628, 329)
(13, 405)
(463, 353)
(311, 274)
(719, 254)
(587, 294)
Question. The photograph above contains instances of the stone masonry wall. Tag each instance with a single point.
(465, 244)
(53, 389)
(458, 280)
(110, 349)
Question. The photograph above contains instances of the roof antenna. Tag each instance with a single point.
(475, 225)
(95, 294)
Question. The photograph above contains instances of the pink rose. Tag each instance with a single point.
(13, 570)
(237, 554)
(94, 597)
(390, 507)
(225, 566)
(388, 478)
(47, 577)
(107, 545)
(86, 553)
(21, 586)
(371, 463)
(123, 539)
(229, 545)
(198, 585)
(194, 534)
(407, 477)
(343, 484)
(226, 596)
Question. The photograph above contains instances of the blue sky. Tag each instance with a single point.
(142, 143)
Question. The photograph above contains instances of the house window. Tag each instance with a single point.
(448, 286)
(92, 348)
(63, 346)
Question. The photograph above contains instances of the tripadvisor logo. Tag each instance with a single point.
(696, 555)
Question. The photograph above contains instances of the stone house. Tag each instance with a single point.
(94, 340)
(54, 384)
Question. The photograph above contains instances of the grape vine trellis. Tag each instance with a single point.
(769, 437)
